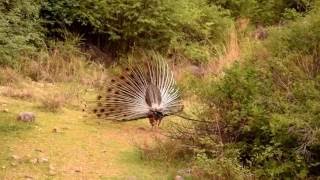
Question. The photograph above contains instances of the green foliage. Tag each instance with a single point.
(220, 168)
(184, 26)
(266, 11)
(20, 30)
(266, 110)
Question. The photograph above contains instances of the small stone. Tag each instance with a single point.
(78, 170)
(56, 130)
(15, 157)
(34, 161)
(5, 110)
(26, 117)
(38, 150)
(52, 173)
(141, 129)
(27, 177)
(51, 167)
(178, 177)
(13, 164)
(43, 160)
(3, 167)
(131, 178)
(41, 85)
(185, 172)
(50, 84)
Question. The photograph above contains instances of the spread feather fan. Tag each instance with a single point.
(143, 91)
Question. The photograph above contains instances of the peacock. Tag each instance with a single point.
(146, 90)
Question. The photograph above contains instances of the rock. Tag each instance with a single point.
(141, 129)
(3, 167)
(5, 110)
(56, 130)
(52, 170)
(77, 169)
(90, 90)
(50, 84)
(26, 117)
(15, 157)
(131, 178)
(52, 173)
(51, 167)
(66, 128)
(38, 150)
(178, 177)
(43, 160)
(196, 70)
(185, 172)
(13, 164)
(260, 33)
(27, 177)
(34, 161)
(41, 85)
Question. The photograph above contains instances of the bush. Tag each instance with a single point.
(266, 11)
(53, 102)
(9, 76)
(20, 30)
(120, 26)
(265, 111)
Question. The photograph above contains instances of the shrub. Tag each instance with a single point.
(18, 93)
(121, 26)
(20, 30)
(267, 11)
(265, 111)
(53, 102)
(9, 76)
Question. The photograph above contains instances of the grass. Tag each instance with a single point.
(80, 148)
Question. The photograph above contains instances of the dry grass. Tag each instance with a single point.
(9, 76)
(63, 64)
(232, 53)
(53, 102)
(228, 55)
(23, 94)
(54, 68)
(162, 149)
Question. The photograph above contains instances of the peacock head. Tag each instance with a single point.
(155, 114)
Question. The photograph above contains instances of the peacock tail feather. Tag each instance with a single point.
(138, 91)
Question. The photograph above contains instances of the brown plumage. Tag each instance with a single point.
(144, 91)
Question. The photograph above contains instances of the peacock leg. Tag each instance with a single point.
(152, 122)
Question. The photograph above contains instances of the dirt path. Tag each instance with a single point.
(68, 146)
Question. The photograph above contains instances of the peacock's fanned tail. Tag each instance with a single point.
(138, 90)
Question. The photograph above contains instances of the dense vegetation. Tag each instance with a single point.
(261, 117)
(20, 30)
(265, 111)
